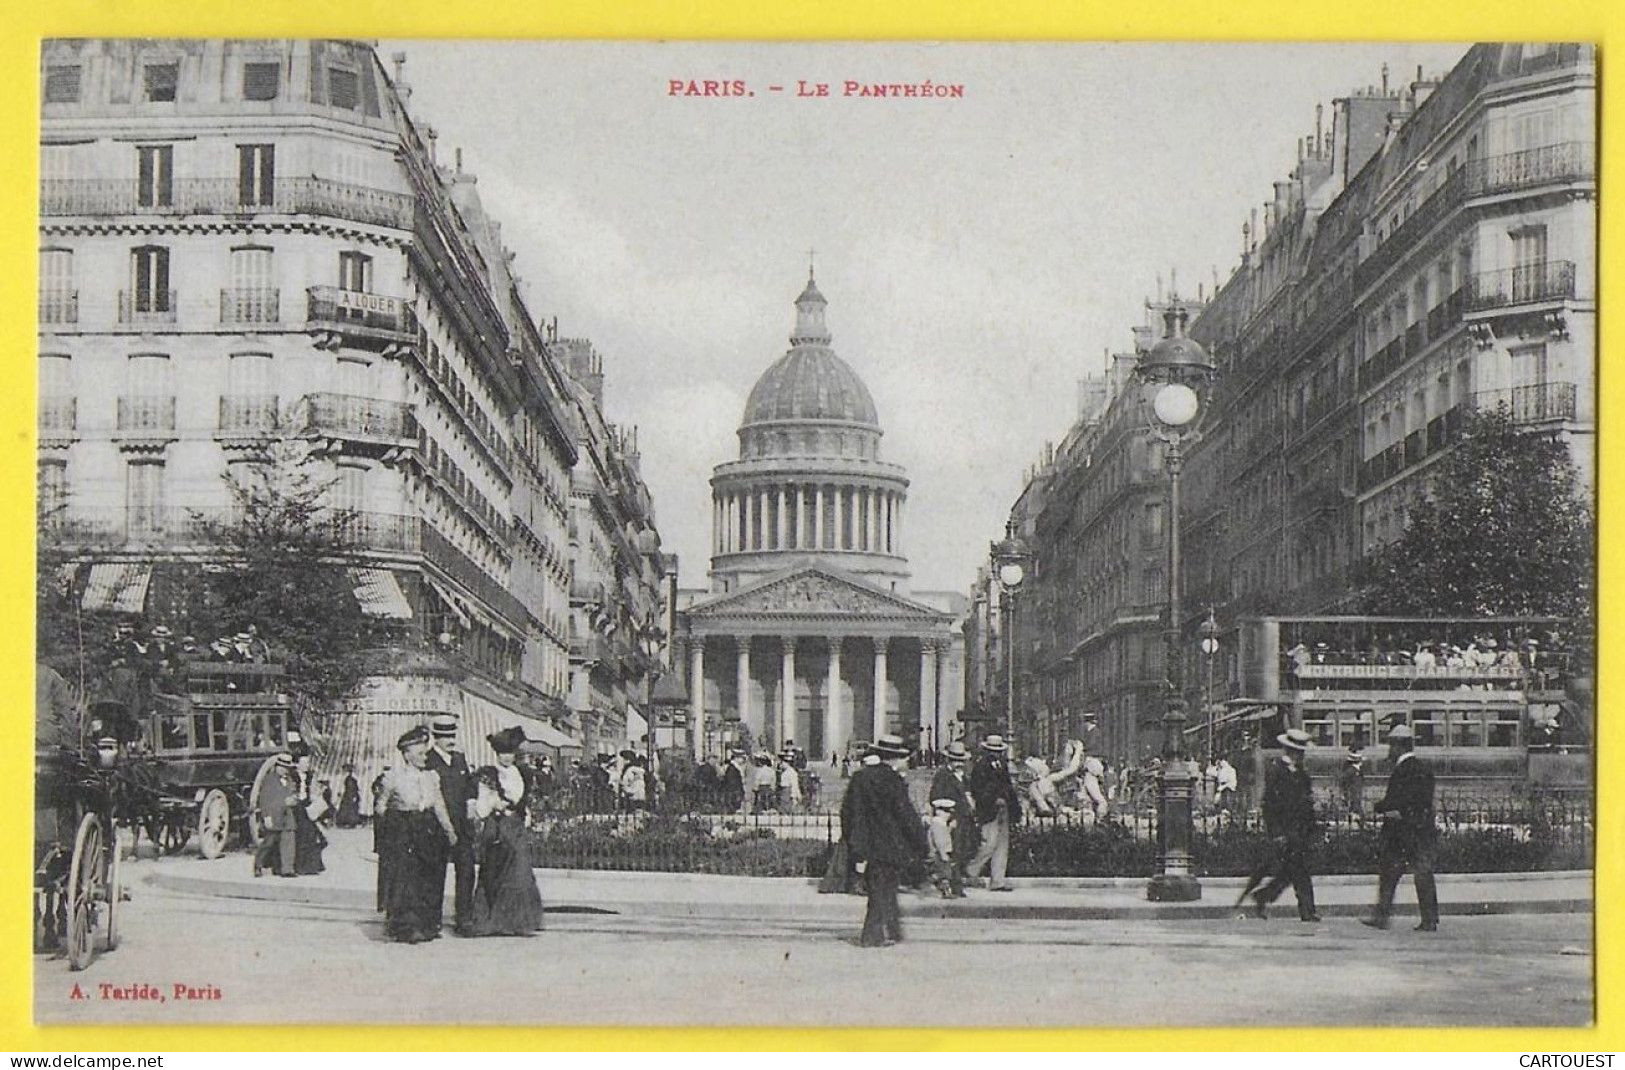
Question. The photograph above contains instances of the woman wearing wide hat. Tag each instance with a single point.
(417, 831)
(349, 809)
(506, 901)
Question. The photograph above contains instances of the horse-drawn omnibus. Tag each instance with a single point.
(1499, 705)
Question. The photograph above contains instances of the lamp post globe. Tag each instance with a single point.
(1175, 374)
(1009, 555)
(1012, 574)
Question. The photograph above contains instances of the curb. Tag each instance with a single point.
(841, 906)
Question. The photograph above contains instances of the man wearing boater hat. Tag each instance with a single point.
(1409, 836)
(949, 783)
(997, 805)
(276, 801)
(457, 787)
(885, 836)
(1289, 819)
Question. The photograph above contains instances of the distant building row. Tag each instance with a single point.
(1432, 253)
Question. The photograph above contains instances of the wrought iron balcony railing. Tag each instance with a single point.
(58, 306)
(350, 416)
(1532, 404)
(248, 414)
(347, 310)
(103, 197)
(250, 304)
(146, 414)
(1527, 284)
(146, 307)
(1569, 161)
(58, 415)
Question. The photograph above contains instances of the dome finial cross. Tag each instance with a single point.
(810, 254)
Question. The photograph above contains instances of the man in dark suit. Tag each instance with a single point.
(457, 787)
(278, 825)
(949, 783)
(733, 782)
(997, 808)
(886, 836)
(1409, 836)
(1289, 820)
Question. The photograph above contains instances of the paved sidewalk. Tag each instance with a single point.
(351, 875)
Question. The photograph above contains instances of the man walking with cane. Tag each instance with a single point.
(1409, 836)
(997, 807)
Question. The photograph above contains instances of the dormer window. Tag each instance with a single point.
(62, 84)
(261, 81)
(343, 88)
(160, 80)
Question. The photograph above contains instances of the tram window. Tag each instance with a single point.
(1322, 733)
(172, 734)
(1467, 729)
(275, 727)
(218, 739)
(1429, 728)
(1503, 730)
(200, 730)
(1354, 727)
(241, 731)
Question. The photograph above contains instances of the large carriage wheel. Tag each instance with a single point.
(86, 887)
(115, 888)
(213, 823)
(254, 800)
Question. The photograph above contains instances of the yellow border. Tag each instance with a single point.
(1578, 20)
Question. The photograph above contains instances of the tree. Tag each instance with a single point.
(1504, 529)
(281, 566)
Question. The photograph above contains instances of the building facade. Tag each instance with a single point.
(809, 632)
(618, 580)
(242, 240)
(1431, 253)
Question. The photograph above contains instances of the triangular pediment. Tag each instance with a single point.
(816, 592)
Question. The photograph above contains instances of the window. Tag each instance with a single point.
(1429, 727)
(261, 81)
(343, 88)
(1467, 728)
(252, 297)
(1502, 728)
(62, 84)
(160, 80)
(1153, 522)
(53, 490)
(58, 301)
(256, 174)
(355, 272)
(1321, 729)
(143, 497)
(154, 180)
(55, 374)
(149, 279)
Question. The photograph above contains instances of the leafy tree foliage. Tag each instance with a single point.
(1504, 529)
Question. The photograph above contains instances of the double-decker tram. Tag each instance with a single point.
(1499, 705)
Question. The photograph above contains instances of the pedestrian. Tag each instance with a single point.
(789, 783)
(635, 785)
(997, 805)
(1094, 799)
(764, 784)
(309, 842)
(445, 759)
(278, 799)
(349, 811)
(1409, 837)
(1354, 776)
(1289, 820)
(949, 783)
(506, 900)
(412, 867)
(885, 836)
(734, 795)
(1224, 785)
(945, 869)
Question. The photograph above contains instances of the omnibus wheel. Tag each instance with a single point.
(213, 823)
(264, 771)
(85, 887)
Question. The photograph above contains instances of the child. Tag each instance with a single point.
(944, 874)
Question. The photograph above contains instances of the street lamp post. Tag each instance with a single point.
(1174, 375)
(1209, 631)
(1010, 557)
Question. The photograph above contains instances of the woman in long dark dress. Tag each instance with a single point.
(415, 833)
(349, 812)
(506, 900)
(309, 843)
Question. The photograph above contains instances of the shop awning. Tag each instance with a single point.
(116, 588)
(454, 602)
(380, 593)
(544, 733)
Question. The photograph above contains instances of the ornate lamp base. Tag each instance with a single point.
(1176, 883)
(1173, 888)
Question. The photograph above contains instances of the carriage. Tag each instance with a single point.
(212, 743)
(78, 798)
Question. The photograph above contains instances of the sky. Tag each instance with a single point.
(979, 254)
